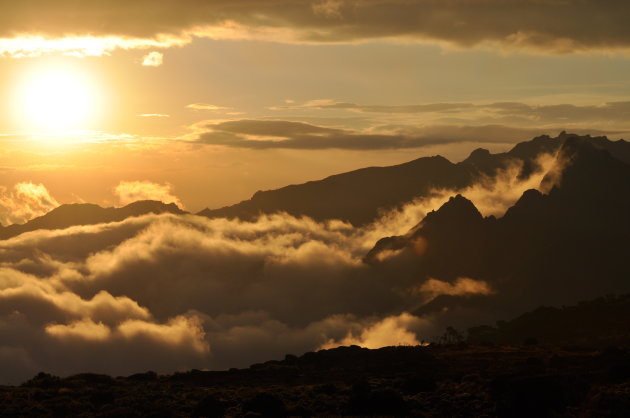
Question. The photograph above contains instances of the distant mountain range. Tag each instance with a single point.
(570, 244)
(359, 196)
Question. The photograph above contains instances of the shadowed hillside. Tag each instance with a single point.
(600, 323)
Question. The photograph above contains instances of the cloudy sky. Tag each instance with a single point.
(214, 100)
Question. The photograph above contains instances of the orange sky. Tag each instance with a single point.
(215, 100)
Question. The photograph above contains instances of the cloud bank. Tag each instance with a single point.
(547, 26)
(414, 126)
(277, 134)
(174, 292)
(498, 112)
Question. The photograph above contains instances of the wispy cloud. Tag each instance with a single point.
(270, 134)
(132, 191)
(205, 106)
(543, 113)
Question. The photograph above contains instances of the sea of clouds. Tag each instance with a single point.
(175, 292)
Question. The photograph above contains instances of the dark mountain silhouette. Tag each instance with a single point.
(356, 196)
(88, 214)
(554, 248)
(359, 196)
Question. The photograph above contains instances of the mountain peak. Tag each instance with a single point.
(529, 150)
(582, 166)
(478, 155)
(531, 201)
(361, 196)
(151, 206)
(458, 209)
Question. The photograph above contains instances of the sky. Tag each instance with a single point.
(214, 100)
(202, 103)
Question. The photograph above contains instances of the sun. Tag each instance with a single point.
(56, 99)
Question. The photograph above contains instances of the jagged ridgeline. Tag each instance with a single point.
(360, 196)
(569, 244)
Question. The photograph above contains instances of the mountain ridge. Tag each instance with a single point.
(74, 214)
(560, 247)
(359, 196)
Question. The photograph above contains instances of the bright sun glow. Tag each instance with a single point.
(56, 100)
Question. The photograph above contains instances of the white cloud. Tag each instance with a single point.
(153, 59)
(132, 191)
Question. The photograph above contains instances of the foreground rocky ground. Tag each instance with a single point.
(435, 381)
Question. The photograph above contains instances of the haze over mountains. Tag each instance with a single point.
(148, 286)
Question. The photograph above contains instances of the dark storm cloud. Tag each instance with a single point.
(557, 26)
(265, 134)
